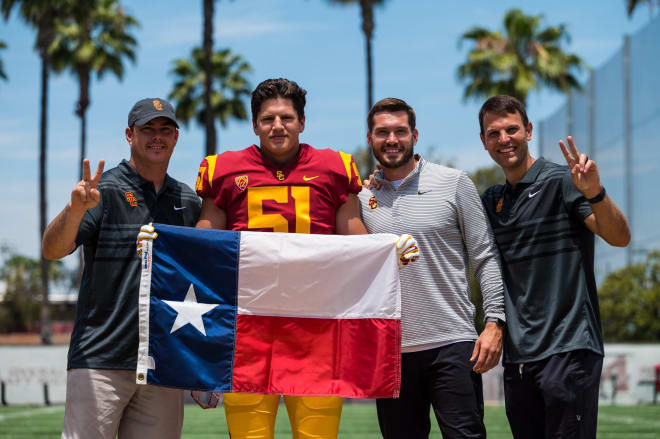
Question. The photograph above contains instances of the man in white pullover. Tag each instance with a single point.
(443, 356)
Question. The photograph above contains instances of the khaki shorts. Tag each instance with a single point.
(103, 403)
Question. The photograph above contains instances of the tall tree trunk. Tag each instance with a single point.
(370, 84)
(370, 100)
(367, 9)
(45, 264)
(81, 112)
(208, 77)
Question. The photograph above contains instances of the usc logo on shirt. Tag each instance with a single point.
(131, 199)
(241, 182)
(498, 208)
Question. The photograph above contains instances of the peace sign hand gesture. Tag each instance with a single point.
(584, 172)
(86, 195)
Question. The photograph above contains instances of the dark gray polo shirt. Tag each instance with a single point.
(548, 264)
(105, 335)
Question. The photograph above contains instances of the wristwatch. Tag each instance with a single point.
(499, 322)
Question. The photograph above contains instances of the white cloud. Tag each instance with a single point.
(186, 31)
(16, 141)
(16, 145)
(252, 28)
(182, 30)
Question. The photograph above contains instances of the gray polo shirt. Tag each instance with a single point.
(548, 264)
(105, 334)
(440, 207)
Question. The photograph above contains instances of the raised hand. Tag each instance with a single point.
(86, 195)
(584, 172)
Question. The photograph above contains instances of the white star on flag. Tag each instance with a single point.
(190, 311)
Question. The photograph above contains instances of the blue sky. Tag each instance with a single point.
(416, 54)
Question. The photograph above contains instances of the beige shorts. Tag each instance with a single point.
(103, 403)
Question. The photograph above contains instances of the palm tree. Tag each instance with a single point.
(41, 15)
(3, 75)
(207, 45)
(227, 99)
(521, 58)
(22, 290)
(632, 4)
(95, 38)
(367, 11)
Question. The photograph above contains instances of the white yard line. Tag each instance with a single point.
(31, 412)
(628, 420)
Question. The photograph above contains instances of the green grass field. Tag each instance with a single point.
(358, 422)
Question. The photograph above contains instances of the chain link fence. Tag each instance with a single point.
(616, 121)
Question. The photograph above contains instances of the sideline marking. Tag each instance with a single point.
(628, 419)
(31, 412)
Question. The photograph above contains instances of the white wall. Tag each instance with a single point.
(24, 369)
(631, 364)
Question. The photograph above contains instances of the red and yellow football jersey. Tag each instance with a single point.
(256, 195)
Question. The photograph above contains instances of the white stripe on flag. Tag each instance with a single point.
(319, 276)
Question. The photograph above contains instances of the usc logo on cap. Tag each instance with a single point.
(157, 105)
(131, 199)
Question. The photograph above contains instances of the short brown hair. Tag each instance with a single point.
(278, 88)
(390, 105)
(502, 104)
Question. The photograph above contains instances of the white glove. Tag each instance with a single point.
(206, 400)
(146, 232)
(407, 250)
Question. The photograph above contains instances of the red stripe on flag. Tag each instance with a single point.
(354, 358)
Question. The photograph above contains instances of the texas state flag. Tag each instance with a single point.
(280, 313)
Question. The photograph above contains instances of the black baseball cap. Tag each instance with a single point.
(150, 108)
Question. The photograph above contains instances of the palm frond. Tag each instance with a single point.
(518, 59)
(231, 87)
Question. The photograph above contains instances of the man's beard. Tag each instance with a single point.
(407, 156)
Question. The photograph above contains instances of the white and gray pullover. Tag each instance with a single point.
(440, 207)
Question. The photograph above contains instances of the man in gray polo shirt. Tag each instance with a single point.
(442, 356)
(544, 218)
(104, 216)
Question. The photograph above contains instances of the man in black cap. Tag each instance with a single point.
(104, 215)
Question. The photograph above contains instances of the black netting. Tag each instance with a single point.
(597, 121)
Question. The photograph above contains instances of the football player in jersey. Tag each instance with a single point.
(282, 185)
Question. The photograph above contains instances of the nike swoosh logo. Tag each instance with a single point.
(179, 208)
(532, 195)
(306, 178)
(424, 192)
